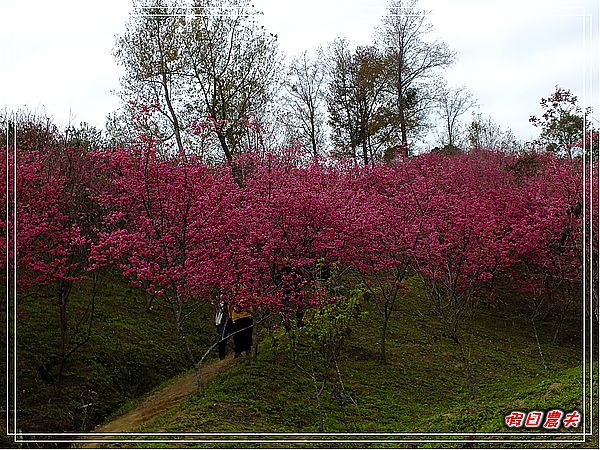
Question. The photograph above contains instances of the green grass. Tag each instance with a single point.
(131, 351)
(423, 388)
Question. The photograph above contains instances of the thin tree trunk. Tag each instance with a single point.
(165, 84)
(176, 127)
(382, 345)
(450, 140)
(188, 351)
(313, 134)
(254, 348)
(177, 310)
(63, 296)
(537, 340)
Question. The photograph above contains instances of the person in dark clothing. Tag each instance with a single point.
(242, 329)
(224, 328)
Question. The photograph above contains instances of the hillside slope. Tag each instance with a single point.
(424, 388)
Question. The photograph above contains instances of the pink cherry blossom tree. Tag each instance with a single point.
(163, 232)
(55, 228)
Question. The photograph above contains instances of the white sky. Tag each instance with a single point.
(55, 56)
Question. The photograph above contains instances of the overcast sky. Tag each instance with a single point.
(55, 56)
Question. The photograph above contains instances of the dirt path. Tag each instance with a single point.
(160, 401)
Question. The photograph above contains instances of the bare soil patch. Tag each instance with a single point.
(159, 402)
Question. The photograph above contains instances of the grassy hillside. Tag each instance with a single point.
(423, 388)
(131, 351)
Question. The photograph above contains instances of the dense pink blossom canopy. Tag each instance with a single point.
(183, 230)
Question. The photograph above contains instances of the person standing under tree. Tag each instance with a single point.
(224, 327)
(242, 329)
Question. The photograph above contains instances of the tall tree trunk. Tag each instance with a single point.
(225, 147)
(176, 126)
(165, 85)
(401, 103)
(313, 137)
(404, 135)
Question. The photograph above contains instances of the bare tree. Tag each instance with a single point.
(234, 66)
(305, 90)
(415, 64)
(452, 104)
(152, 88)
(484, 133)
(207, 62)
